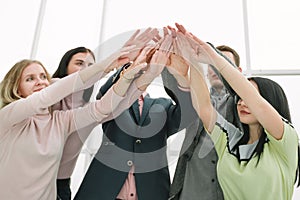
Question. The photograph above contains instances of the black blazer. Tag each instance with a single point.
(131, 139)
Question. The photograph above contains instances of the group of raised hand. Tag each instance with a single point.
(183, 54)
(149, 53)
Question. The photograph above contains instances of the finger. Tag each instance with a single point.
(193, 43)
(160, 58)
(149, 48)
(180, 28)
(180, 40)
(142, 56)
(129, 51)
(148, 35)
(166, 32)
(183, 46)
(154, 57)
(157, 36)
(173, 33)
(154, 32)
(145, 32)
(171, 28)
(125, 51)
(151, 35)
(135, 33)
(156, 39)
(132, 37)
(166, 44)
(175, 47)
(150, 54)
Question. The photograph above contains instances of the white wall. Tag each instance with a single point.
(268, 40)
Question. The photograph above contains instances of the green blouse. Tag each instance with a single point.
(271, 179)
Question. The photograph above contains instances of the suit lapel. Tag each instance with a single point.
(146, 107)
(136, 112)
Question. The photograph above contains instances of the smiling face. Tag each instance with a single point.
(80, 61)
(244, 113)
(33, 79)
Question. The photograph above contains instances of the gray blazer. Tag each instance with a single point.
(195, 175)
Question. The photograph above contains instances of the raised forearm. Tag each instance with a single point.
(95, 72)
(237, 81)
(122, 85)
(201, 98)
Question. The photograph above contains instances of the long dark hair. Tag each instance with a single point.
(275, 95)
(61, 71)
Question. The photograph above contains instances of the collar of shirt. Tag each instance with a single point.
(214, 92)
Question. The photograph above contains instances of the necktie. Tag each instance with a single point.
(141, 102)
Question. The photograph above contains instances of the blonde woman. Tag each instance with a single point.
(32, 137)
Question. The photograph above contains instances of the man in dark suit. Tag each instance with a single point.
(136, 141)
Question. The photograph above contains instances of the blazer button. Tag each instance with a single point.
(138, 141)
(129, 163)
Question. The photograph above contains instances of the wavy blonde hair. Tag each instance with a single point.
(10, 84)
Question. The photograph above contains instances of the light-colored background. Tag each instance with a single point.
(264, 32)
